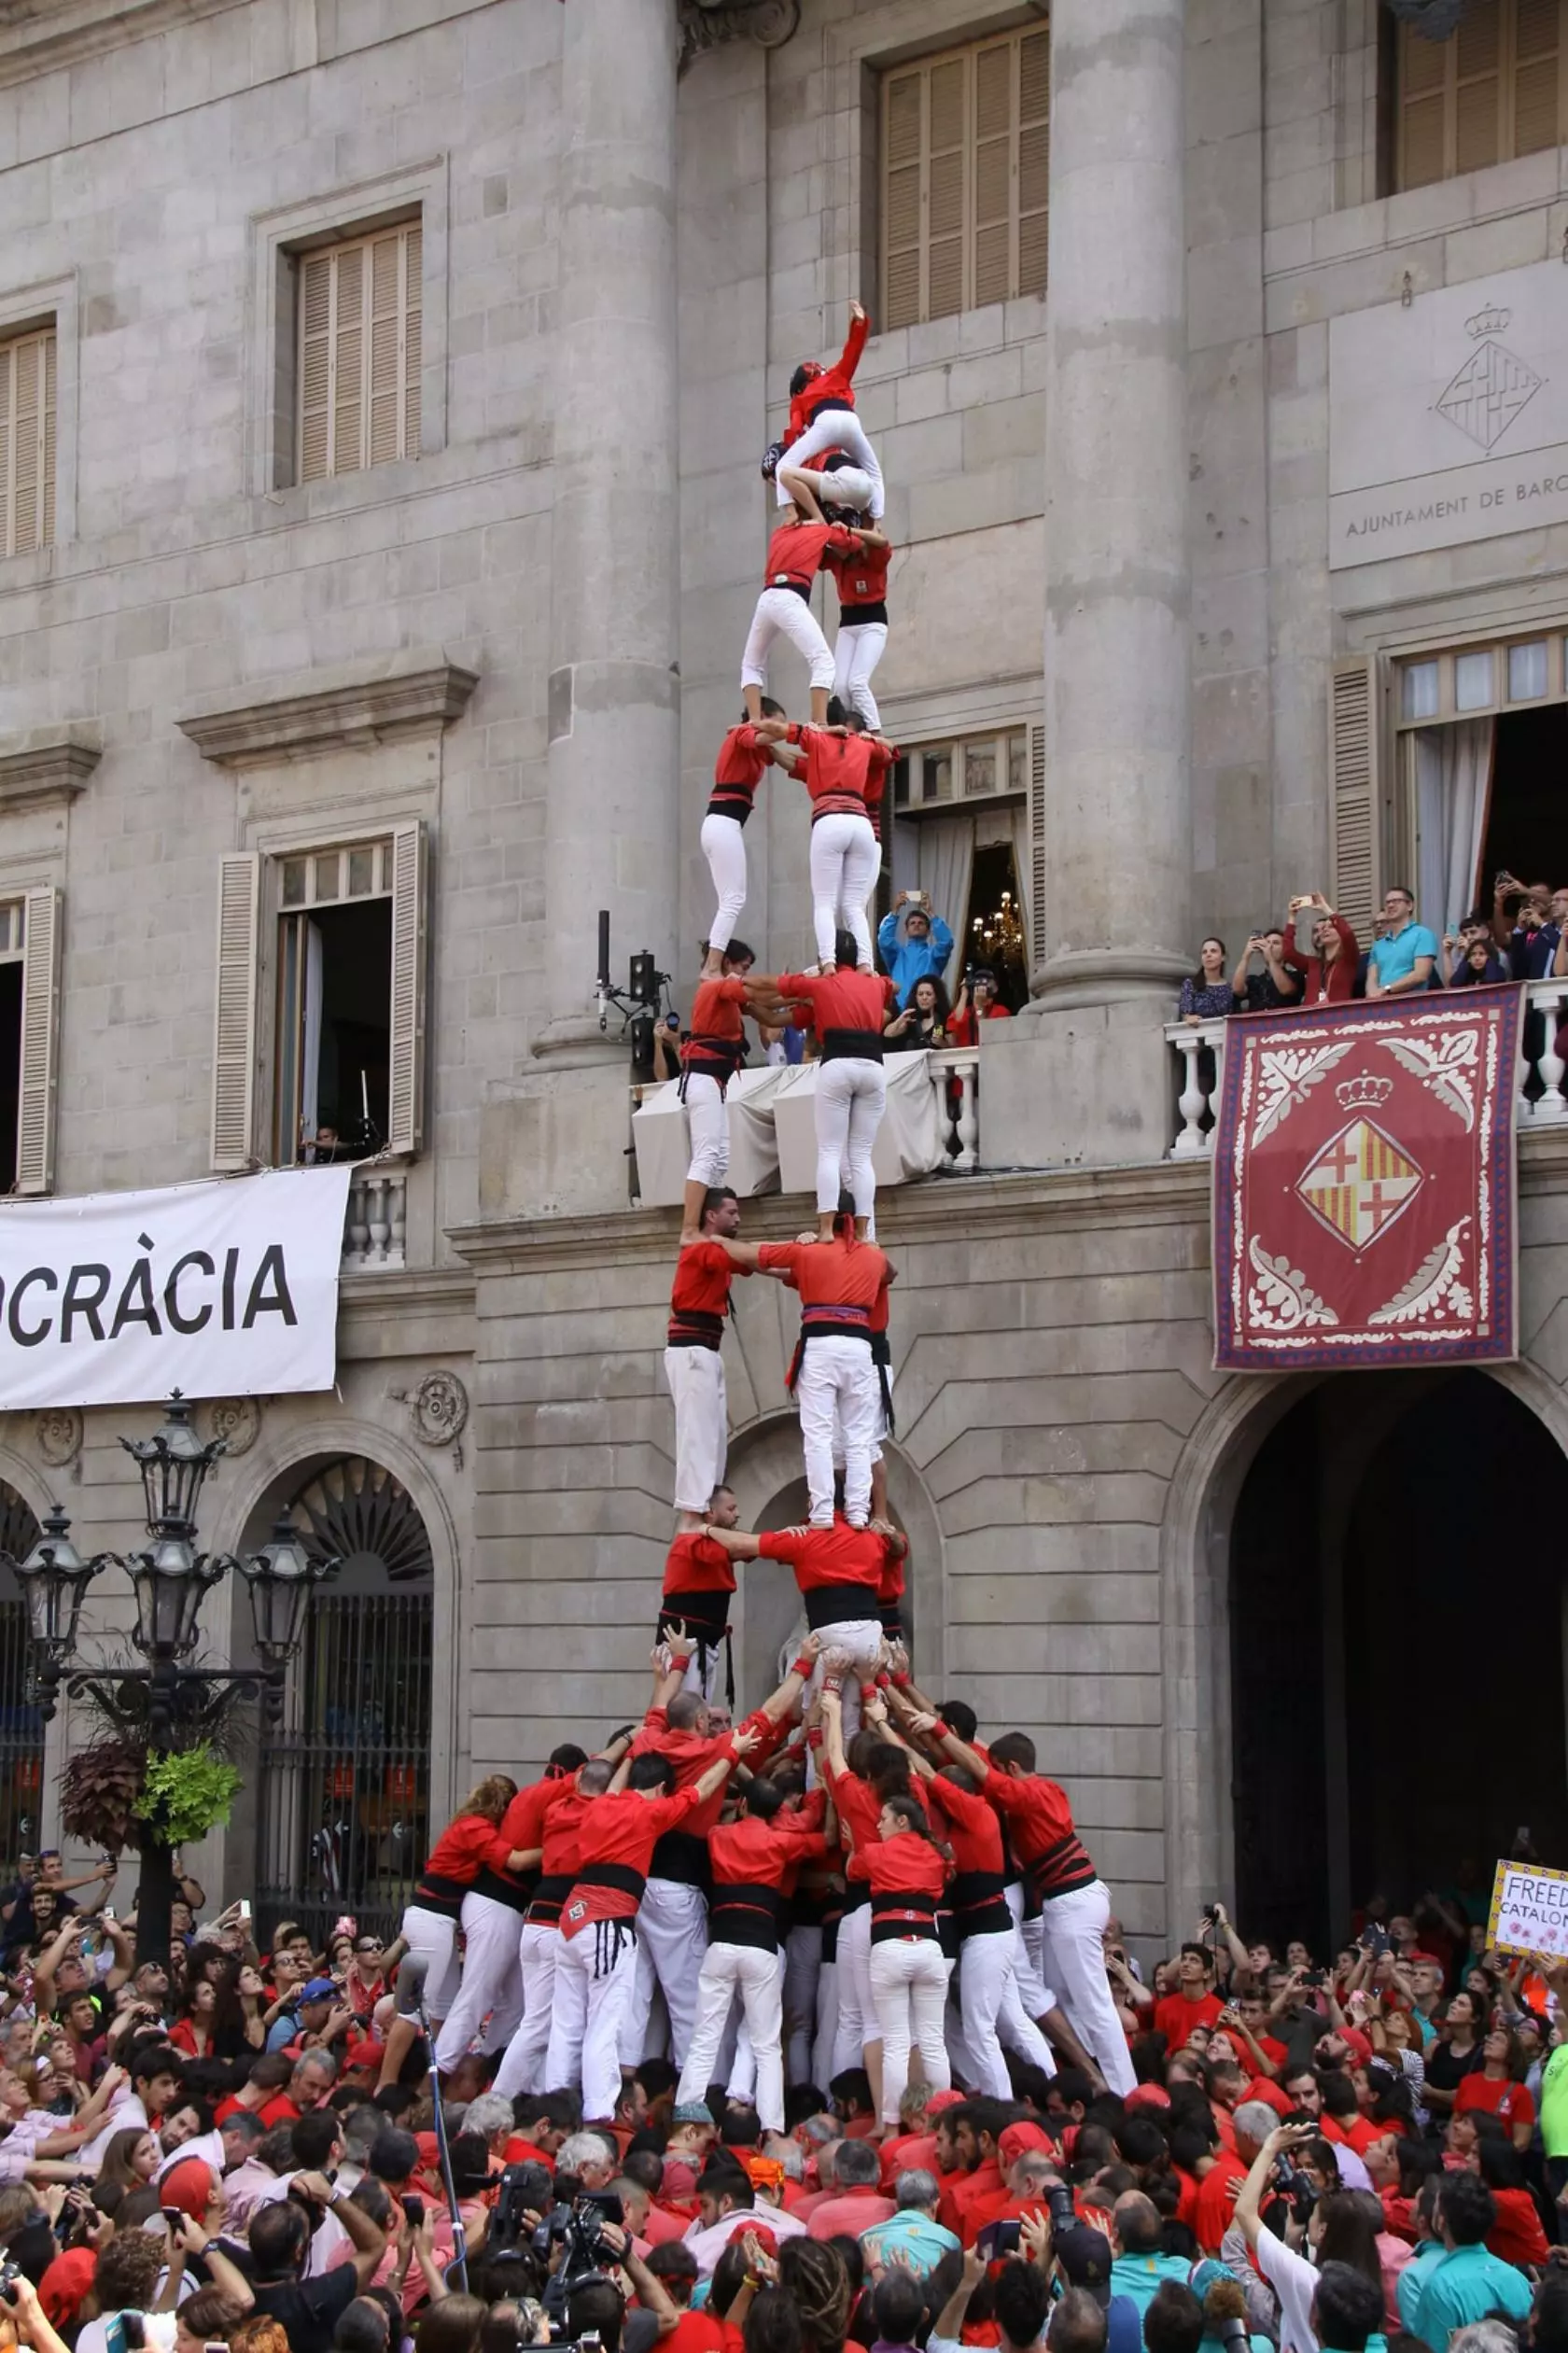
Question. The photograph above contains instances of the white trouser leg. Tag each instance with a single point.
(434, 1935)
(716, 1991)
(490, 1983)
(834, 838)
(826, 2044)
(760, 1979)
(803, 1971)
(857, 651)
(984, 1967)
(857, 2021)
(702, 1669)
(707, 1124)
(836, 428)
(838, 1395)
(1074, 1928)
(672, 1923)
(610, 1976)
(723, 845)
(523, 2061)
(1017, 2030)
(568, 2014)
(835, 1100)
(909, 1990)
(780, 614)
(868, 1101)
(696, 1378)
(858, 871)
(861, 1637)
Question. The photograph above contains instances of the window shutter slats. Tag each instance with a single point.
(1355, 810)
(1476, 141)
(40, 1041)
(316, 367)
(413, 323)
(406, 1115)
(1478, 42)
(27, 435)
(359, 353)
(964, 180)
(1489, 92)
(348, 362)
(235, 1019)
(1425, 141)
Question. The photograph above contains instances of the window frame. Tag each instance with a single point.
(1408, 42)
(333, 253)
(25, 311)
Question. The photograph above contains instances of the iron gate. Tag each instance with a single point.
(346, 1783)
(22, 1726)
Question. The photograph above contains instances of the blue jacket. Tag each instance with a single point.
(908, 960)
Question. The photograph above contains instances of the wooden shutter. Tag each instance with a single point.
(903, 117)
(1537, 46)
(40, 1041)
(27, 393)
(360, 328)
(1478, 83)
(406, 1112)
(1356, 801)
(946, 178)
(994, 166)
(1490, 91)
(1034, 159)
(234, 1026)
(1035, 890)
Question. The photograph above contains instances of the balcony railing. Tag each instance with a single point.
(374, 1225)
(1199, 1051)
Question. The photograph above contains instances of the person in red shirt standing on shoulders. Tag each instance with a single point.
(596, 1977)
(849, 1009)
(693, 1364)
(714, 1051)
(795, 555)
(822, 415)
(740, 769)
(862, 592)
(838, 1569)
(845, 772)
(699, 1580)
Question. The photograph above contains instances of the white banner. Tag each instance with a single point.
(227, 1288)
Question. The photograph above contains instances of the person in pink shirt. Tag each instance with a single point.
(858, 2203)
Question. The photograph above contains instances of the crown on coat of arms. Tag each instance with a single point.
(1491, 321)
(1365, 1092)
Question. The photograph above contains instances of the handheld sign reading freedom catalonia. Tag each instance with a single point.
(1529, 1911)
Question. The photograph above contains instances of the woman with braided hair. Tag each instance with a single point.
(812, 2271)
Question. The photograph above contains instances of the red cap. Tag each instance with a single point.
(765, 2238)
(363, 2052)
(187, 2185)
(939, 2100)
(1264, 2088)
(1147, 2095)
(1019, 2139)
(63, 2289)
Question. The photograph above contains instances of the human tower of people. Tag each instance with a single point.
(850, 1870)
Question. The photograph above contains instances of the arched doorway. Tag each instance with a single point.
(345, 1784)
(22, 1726)
(1398, 1610)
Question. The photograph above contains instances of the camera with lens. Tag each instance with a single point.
(1232, 2334)
(578, 2229)
(1058, 2205)
(1298, 2192)
(525, 2189)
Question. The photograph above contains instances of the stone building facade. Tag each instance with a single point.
(393, 373)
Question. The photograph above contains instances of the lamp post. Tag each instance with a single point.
(168, 1702)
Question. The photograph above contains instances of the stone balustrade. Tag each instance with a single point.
(373, 1227)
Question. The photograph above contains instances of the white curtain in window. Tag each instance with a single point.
(946, 864)
(1453, 790)
(310, 1044)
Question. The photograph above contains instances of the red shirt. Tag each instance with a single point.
(961, 1029)
(859, 1815)
(692, 1753)
(695, 2331)
(1215, 2208)
(695, 1565)
(835, 384)
(797, 552)
(905, 1865)
(1517, 2235)
(1175, 2017)
(280, 2111)
(845, 774)
(456, 1859)
(889, 1593)
(848, 2212)
(1325, 984)
(700, 1294)
(841, 999)
(1039, 1819)
(743, 760)
(965, 2202)
(839, 1555)
(862, 577)
(621, 1828)
(748, 1853)
(908, 2152)
(1510, 2103)
(835, 1274)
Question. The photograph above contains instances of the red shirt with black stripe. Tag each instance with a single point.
(740, 769)
(616, 1844)
(700, 1295)
(845, 774)
(1052, 1857)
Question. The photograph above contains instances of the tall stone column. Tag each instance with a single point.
(1118, 592)
(613, 763)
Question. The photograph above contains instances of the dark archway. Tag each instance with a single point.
(1397, 1611)
(345, 1784)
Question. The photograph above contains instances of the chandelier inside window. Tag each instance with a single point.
(1433, 20)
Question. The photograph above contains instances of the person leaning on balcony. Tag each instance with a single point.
(1328, 975)
(1205, 994)
(1403, 957)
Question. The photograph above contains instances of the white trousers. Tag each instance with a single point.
(723, 845)
(862, 1638)
(695, 1378)
(909, 1992)
(1074, 1929)
(822, 2069)
(491, 1982)
(845, 865)
(672, 1935)
(836, 428)
(780, 614)
(708, 1122)
(521, 2068)
(596, 1984)
(728, 1971)
(851, 1098)
(802, 1974)
(856, 2024)
(434, 1935)
(857, 651)
(993, 2015)
(836, 1387)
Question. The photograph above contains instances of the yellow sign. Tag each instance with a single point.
(1529, 1911)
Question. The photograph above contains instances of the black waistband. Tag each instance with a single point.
(549, 1895)
(741, 1913)
(695, 1327)
(845, 1045)
(850, 616)
(800, 588)
(902, 1913)
(707, 1611)
(833, 401)
(1061, 1869)
(857, 1895)
(891, 1616)
(618, 1877)
(730, 800)
(502, 1888)
(834, 1604)
(435, 1892)
(681, 1856)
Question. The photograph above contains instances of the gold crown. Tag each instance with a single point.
(1365, 1092)
(1491, 321)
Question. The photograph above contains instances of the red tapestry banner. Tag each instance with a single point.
(1364, 1184)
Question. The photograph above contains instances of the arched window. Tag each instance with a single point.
(345, 1784)
(21, 1728)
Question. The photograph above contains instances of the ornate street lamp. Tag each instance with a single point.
(281, 1576)
(54, 1579)
(174, 1465)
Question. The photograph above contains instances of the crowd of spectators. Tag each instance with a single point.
(1522, 935)
(1367, 2150)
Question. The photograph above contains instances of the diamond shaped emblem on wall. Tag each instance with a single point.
(1489, 393)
